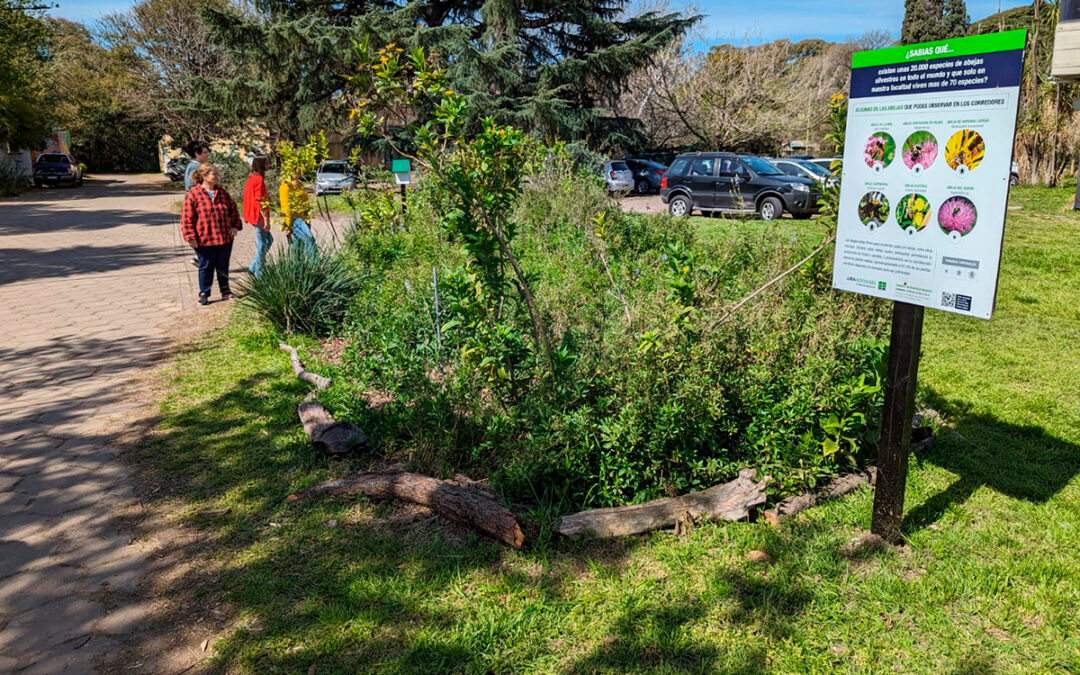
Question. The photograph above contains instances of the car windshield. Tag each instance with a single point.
(815, 168)
(619, 166)
(334, 167)
(53, 159)
(760, 166)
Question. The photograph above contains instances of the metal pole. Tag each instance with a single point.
(438, 319)
(893, 449)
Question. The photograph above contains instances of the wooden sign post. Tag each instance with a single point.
(927, 158)
(901, 379)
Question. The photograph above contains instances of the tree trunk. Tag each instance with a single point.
(450, 500)
(729, 501)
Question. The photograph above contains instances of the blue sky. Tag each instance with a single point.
(762, 20)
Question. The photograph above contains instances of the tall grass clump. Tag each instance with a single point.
(303, 291)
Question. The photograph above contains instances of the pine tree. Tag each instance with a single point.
(955, 21)
(549, 66)
(928, 20)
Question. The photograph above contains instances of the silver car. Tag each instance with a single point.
(618, 176)
(333, 177)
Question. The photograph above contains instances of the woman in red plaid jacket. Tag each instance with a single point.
(209, 222)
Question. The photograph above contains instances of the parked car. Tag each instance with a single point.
(618, 176)
(791, 166)
(54, 168)
(647, 175)
(827, 162)
(724, 181)
(1014, 174)
(176, 167)
(334, 176)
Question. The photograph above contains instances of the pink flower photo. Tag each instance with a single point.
(957, 214)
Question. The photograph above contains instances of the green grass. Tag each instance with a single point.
(989, 581)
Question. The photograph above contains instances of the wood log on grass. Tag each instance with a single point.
(450, 500)
(327, 434)
(318, 381)
(836, 487)
(728, 501)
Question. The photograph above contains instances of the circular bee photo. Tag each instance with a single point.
(879, 151)
(920, 151)
(873, 209)
(965, 151)
(957, 216)
(913, 212)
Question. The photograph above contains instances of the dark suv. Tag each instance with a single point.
(724, 181)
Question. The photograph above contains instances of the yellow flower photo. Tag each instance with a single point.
(965, 150)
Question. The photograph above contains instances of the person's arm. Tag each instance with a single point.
(264, 202)
(283, 196)
(188, 222)
(234, 213)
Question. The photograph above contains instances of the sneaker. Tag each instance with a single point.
(227, 296)
(204, 299)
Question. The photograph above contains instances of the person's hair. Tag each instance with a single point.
(204, 169)
(195, 147)
(259, 164)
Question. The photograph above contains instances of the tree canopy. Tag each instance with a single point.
(549, 66)
(24, 42)
(928, 20)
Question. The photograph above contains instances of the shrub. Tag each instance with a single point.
(791, 383)
(301, 291)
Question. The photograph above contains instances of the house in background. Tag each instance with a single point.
(1066, 63)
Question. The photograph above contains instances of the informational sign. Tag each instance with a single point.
(927, 158)
(400, 168)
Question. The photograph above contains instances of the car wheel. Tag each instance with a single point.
(1014, 180)
(680, 205)
(39, 184)
(642, 187)
(770, 208)
(78, 183)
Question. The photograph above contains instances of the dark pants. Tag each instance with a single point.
(213, 258)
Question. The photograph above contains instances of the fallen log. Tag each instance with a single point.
(448, 499)
(327, 434)
(834, 488)
(729, 501)
(320, 382)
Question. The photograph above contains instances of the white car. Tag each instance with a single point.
(618, 176)
(334, 176)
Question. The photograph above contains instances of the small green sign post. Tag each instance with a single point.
(402, 175)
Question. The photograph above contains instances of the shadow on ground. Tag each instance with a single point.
(1022, 462)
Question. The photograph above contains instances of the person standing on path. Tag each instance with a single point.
(209, 222)
(199, 151)
(257, 211)
(296, 209)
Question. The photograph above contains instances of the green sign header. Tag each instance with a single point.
(965, 46)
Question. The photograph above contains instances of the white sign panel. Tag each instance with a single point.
(927, 158)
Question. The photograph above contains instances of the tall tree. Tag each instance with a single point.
(89, 88)
(168, 47)
(928, 20)
(550, 66)
(24, 43)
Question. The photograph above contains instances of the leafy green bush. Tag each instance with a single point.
(11, 183)
(651, 395)
(302, 291)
